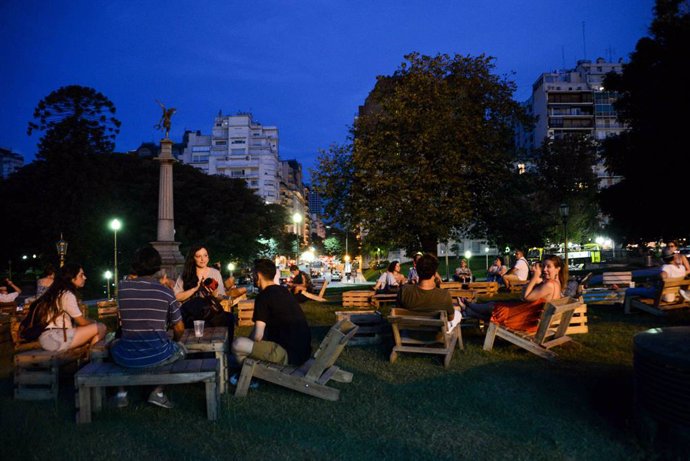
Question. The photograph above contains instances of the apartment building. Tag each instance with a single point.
(573, 102)
(9, 162)
(241, 148)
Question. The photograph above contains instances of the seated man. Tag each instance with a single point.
(6, 297)
(669, 270)
(519, 272)
(281, 334)
(146, 304)
(300, 283)
(425, 296)
(496, 271)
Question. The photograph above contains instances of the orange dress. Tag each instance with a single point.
(523, 316)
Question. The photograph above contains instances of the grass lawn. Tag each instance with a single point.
(504, 404)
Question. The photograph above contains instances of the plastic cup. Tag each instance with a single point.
(198, 328)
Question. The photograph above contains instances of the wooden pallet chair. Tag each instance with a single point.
(359, 299)
(613, 289)
(245, 313)
(384, 299)
(230, 304)
(9, 308)
(517, 287)
(558, 312)
(453, 285)
(372, 326)
(310, 378)
(620, 279)
(317, 295)
(487, 289)
(107, 309)
(657, 305)
(423, 333)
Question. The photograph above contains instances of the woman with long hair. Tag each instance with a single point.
(200, 288)
(546, 285)
(60, 308)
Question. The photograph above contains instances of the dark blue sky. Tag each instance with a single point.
(303, 66)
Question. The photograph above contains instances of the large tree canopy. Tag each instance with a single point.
(76, 121)
(653, 94)
(430, 145)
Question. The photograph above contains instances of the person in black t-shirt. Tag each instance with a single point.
(300, 284)
(280, 334)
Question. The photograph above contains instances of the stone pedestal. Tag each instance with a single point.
(165, 243)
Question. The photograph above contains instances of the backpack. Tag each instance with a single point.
(31, 327)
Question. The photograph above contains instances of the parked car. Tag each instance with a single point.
(336, 276)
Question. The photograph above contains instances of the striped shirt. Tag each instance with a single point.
(146, 310)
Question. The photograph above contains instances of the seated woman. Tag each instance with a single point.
(463, 273)
(496, 271)
(60, 308)
(391, 280)
(200, 289)
(45, 281)
(544, 286)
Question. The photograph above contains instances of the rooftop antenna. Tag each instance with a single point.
(584, 43)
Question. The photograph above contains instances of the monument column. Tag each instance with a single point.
(166, 245)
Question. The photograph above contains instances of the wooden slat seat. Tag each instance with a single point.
(487, 289)
(423, 333)
(384, 299)
(36, 371)
(96, 376)
(620, 279)
(245, 312)
(107, 309)
(516, 287)
(358, 298)
(310, 378)
(372, 326)
(657, 305)
(551, 330)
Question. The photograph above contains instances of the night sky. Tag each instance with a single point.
(304, 66)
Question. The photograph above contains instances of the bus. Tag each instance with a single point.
(589, 253)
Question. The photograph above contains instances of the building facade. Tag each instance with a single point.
(573, 102)
(293, 197)
(239, 147)
(9, 162)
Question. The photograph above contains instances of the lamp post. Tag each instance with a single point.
(296, 219)
(115, 225)
(486, 253)
(61, 246)
(108, 275)
(231, 268)
(564, 210)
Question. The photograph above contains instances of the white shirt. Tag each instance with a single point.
(672, 272)
(521, 269)
(68, 303)
(8, 297)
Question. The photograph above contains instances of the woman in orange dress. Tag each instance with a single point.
(544, 286)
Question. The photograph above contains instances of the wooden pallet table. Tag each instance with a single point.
(360, 299)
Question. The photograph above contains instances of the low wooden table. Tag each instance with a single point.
(215, 340)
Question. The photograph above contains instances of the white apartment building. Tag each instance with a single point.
(9, 162)
(570, 102)
(241, 148)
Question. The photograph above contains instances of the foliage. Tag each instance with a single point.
(332, 246)
(77, 121)
(429, 143)
(653, 91)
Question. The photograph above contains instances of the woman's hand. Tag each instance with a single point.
(536, 268)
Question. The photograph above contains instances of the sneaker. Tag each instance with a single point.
(160, 399)
(685, 295)
(253, 384)
(121, 400)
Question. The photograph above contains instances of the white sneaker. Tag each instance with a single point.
(685, 295)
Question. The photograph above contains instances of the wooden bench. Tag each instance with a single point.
(657, 305)
(107, 309)
(36, 371)
(487, 289)
(453, 285)
(92, 378)
(372, 326)
(620, 279)
(516, 287)
(360, 299)
(613, 291)
(8, 308)
(578, 322)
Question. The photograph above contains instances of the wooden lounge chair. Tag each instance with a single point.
(107, 309)
(423, 333)
(546, 336)
(384, 299)
(483, 288)
(657, 305)
(360, 299)
(310, 378)
(317, 296)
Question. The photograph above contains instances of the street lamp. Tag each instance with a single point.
(115, 225)
(61, 246)
(564, 210)
(486, 253)
(108, 275)
(296, 219)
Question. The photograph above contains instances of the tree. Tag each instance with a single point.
(332, 246)
(77, 121)
(653, 92)
(429, 141)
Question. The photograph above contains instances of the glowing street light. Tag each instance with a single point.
(115, 225)
(108, 275)
(486, 253)
(61, 246)
(296, 219)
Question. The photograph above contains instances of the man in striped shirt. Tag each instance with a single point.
(146, 307)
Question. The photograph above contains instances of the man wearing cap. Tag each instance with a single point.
(669, 270)
(6, 297)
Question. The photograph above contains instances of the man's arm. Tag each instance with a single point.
(178, 330)
(14, 287)
(258, 331)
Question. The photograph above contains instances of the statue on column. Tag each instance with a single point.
(164, 123)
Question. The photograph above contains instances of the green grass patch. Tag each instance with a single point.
(504, 404)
